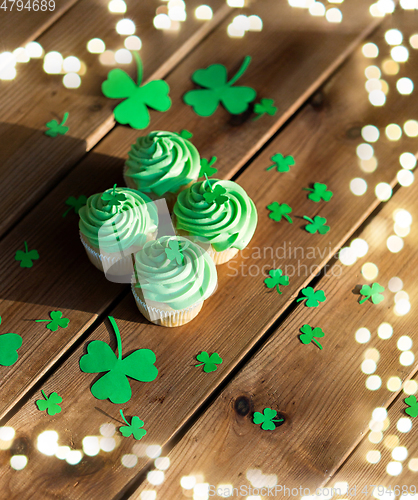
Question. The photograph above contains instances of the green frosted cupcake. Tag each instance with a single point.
(115, 224)
(218, 213)
(172, 278)
(161, 164)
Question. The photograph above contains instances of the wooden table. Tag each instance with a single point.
(343, 407)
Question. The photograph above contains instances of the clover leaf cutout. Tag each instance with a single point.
(174, 252)
(412, 402)
(319, 192)
(281, 163)
(265, 106)
(314, 298)
(113, 198)
(75, 203)
(206, 168)
(276, 279)
(133, 110)
(26, 257)
(316, 225)
(267, 419)
(185, 134)
(208, 362)
(114, 385)
(55, 128)
(9, 344)
(50, 403)
(374, 293)
(133, 428)
(217, 90)
(56, 321)
(216, 195)
(308, 334)
(280, 210)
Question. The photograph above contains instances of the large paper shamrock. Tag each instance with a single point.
(276, 279)
(314, 298)
(49, 403)
(374, 292)
(114, 385)
(412, 402)
(55, 128)
(265, 106)
(282, 163)
(218, 90)
(134, 428)
(308, 334)
(319, 192)
(280, 210)
(26, 257)
(9, 344)
(133, 111)
(216, 195)
(75, 203)
(317, 224)
(56, 321)
(206, 168)
(209, 362)
(174, 252)
(266, 419)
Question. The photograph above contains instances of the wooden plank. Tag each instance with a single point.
(45, 229)
(236, 317)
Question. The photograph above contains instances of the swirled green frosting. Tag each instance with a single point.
(114, 228)
(162, 162)
(228, 225)
(162, 279)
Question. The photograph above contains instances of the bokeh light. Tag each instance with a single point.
(399, 53)
(125, 27)
(383, 191)
(370, 133)
(405, 86)
(370, 50)
(96, 46)
(203, 12)
(370, 271)
(358, 186)
(385, 331)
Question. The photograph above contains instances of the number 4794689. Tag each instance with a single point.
(35, 5)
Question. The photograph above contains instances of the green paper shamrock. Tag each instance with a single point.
(266, 419)
(134, 428)
(282, 163)
(174, 252)
(113, 198)
(55, 128)
(114, 385)
(209, 362)
(49, 403)
(218, 90)
(276, 279)
(134, 111)
(314, 298)
(319, 192)
(185, 134)
(26, 257)
(206, 167)
(412, 402)
(308, 334)
(56, 321)
(216, 195)
(265, 106)
(374, 292)
(9, 344)
(317, 224)
(75, 203)
(279, 210)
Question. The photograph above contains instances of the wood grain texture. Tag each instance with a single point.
(236, 317)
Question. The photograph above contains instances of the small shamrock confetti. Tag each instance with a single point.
(265, 106)
(319, 192)
(134, 111)
(308, 334)
(206, 168)
(114, 385)
(174, 252)
(412, 402)
(209, 362)
(218, 90)
(279, 210)
(55, 128)
(314, 298)
(276, 279)
(134, 428)
(216, 195)
(26, 257)
(51, 403)
(9, 344)
(75, 203)
(266, 419)
(56, 321)
(374, 292)
(317, 224)
(185, 134)
(113, 198)
(282, 163)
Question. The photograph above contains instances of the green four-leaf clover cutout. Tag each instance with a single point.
(174, 252)
(132, 429)
(26, 257)
(112, 197)
(412, 402)
(374, 293)
(208, 362)
(276, 279)
(206, 168)
(216, 195)
(314, 298)
(265, 106)
(319, 192)
(316, 225)
(282, 163)
(310, 334)
(267, 419)
(75, 203)
(55, 128)
(280, 210)
(9, 344)
(50, 403)
(56, 321)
